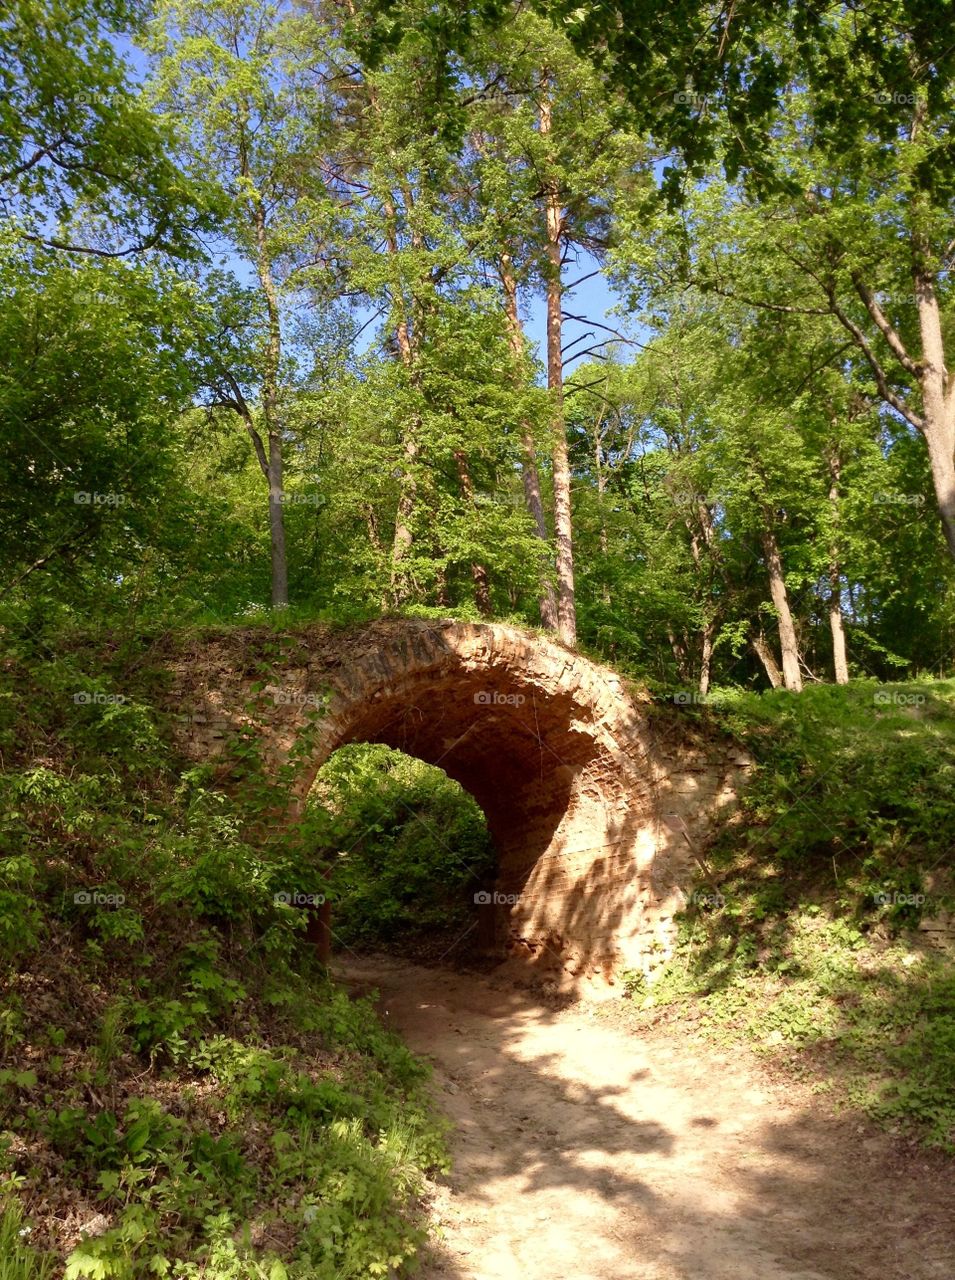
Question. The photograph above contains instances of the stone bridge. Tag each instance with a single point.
(598, 800)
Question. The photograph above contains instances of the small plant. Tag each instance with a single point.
(18, 1260)
(634, 983)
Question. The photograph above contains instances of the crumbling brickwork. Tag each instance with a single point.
(596, 801)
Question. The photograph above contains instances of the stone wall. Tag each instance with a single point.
(597, 801)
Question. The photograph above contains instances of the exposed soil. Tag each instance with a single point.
(583, 1151)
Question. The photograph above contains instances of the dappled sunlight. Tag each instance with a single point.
(583, 1149)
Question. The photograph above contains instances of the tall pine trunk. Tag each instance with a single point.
(563, 525)
(270, 458)
(529, 472)
(408, 491)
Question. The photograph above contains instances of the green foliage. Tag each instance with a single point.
(264, 243)
(409, 847)
(18, 1259)
(78, 149)
(193, 1073)
(861, 775)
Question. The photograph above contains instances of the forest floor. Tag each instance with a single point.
(584, 1150)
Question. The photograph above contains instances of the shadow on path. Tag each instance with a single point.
(582, 1152)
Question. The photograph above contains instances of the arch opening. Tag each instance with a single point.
(410, 855)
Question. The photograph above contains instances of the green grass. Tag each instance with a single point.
(18, 1259)
(840, 847)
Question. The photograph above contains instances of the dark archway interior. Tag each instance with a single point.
(534, 767)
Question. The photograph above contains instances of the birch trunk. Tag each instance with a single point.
(840, 662)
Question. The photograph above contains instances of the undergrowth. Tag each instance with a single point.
(813, 927)
(412, 848)
(183, 1092)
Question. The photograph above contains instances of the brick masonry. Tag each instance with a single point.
(597, 802)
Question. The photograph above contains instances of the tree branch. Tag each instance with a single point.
(896, 344)
(150, 243)
(881, 380)
(709, 287)
(27, 164)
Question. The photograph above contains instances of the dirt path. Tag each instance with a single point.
(583, 1152)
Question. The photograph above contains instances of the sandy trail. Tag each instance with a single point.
(584, 1152)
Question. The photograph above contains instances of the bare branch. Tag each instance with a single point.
(597, 349)
(96, 253)
(881, 380)
(630, 342)
(896, 344)
(709, 287)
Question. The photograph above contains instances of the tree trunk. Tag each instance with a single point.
(938, 404)
(277, 524)
(767, 658)
(839, 660)
(678, 649)
(704, 567)
(404, 538)
(529, 473)
(482, 591)
(374, 538)
(706, 659)
(563, 527)
(273, 469)
(792, 676)
(603, 540)
(941, 454)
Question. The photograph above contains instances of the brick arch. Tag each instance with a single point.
(594, 803)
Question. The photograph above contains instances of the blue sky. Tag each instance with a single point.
(592, 299)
